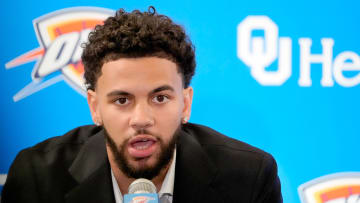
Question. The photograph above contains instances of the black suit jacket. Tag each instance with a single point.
(210, 167)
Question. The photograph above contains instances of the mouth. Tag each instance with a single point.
(142, 146)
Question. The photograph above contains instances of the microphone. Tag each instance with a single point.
(141, 191)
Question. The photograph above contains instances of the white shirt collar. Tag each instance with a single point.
(167, 186)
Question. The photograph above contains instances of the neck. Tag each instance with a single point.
(124, 181)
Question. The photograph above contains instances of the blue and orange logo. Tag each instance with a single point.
(335, 188)
(60, 35)
(142, 199)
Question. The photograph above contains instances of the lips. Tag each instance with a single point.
(142, 146)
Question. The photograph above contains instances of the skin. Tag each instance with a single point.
(139, 93)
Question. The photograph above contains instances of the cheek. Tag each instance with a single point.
(169, 119)
(115, 124)
(172, 112)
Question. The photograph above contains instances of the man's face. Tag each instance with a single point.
(141, 103)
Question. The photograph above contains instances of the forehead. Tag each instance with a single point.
(134, 73)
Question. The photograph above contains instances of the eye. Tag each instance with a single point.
(122, 101)
(160, 99)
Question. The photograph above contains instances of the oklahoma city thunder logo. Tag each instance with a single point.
(335, 188)
(60, 35)
(142, 199)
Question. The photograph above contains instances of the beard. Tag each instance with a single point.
(145, 171)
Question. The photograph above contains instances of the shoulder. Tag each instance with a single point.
(35, 169)
(211, 140)
(240, 166)
(227, 153)
(75, 137)
(60, 148)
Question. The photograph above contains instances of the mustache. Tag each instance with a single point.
(143, 131)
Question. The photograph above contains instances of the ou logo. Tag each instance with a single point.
(260, 52)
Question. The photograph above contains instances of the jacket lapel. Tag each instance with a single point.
(194, 173)
(91, 170)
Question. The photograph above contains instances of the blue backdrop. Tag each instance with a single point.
(311, 128)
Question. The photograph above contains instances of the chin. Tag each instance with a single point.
(144, 163)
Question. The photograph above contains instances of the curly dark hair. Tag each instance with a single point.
(137, 34)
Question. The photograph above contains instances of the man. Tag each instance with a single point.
(138, 68)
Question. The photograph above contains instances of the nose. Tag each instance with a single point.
(142, 116)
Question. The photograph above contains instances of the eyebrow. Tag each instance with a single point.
(124, 93)
(118, 93)
(162, 88)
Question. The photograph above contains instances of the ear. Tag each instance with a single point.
(188, 96)
(93, 106)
